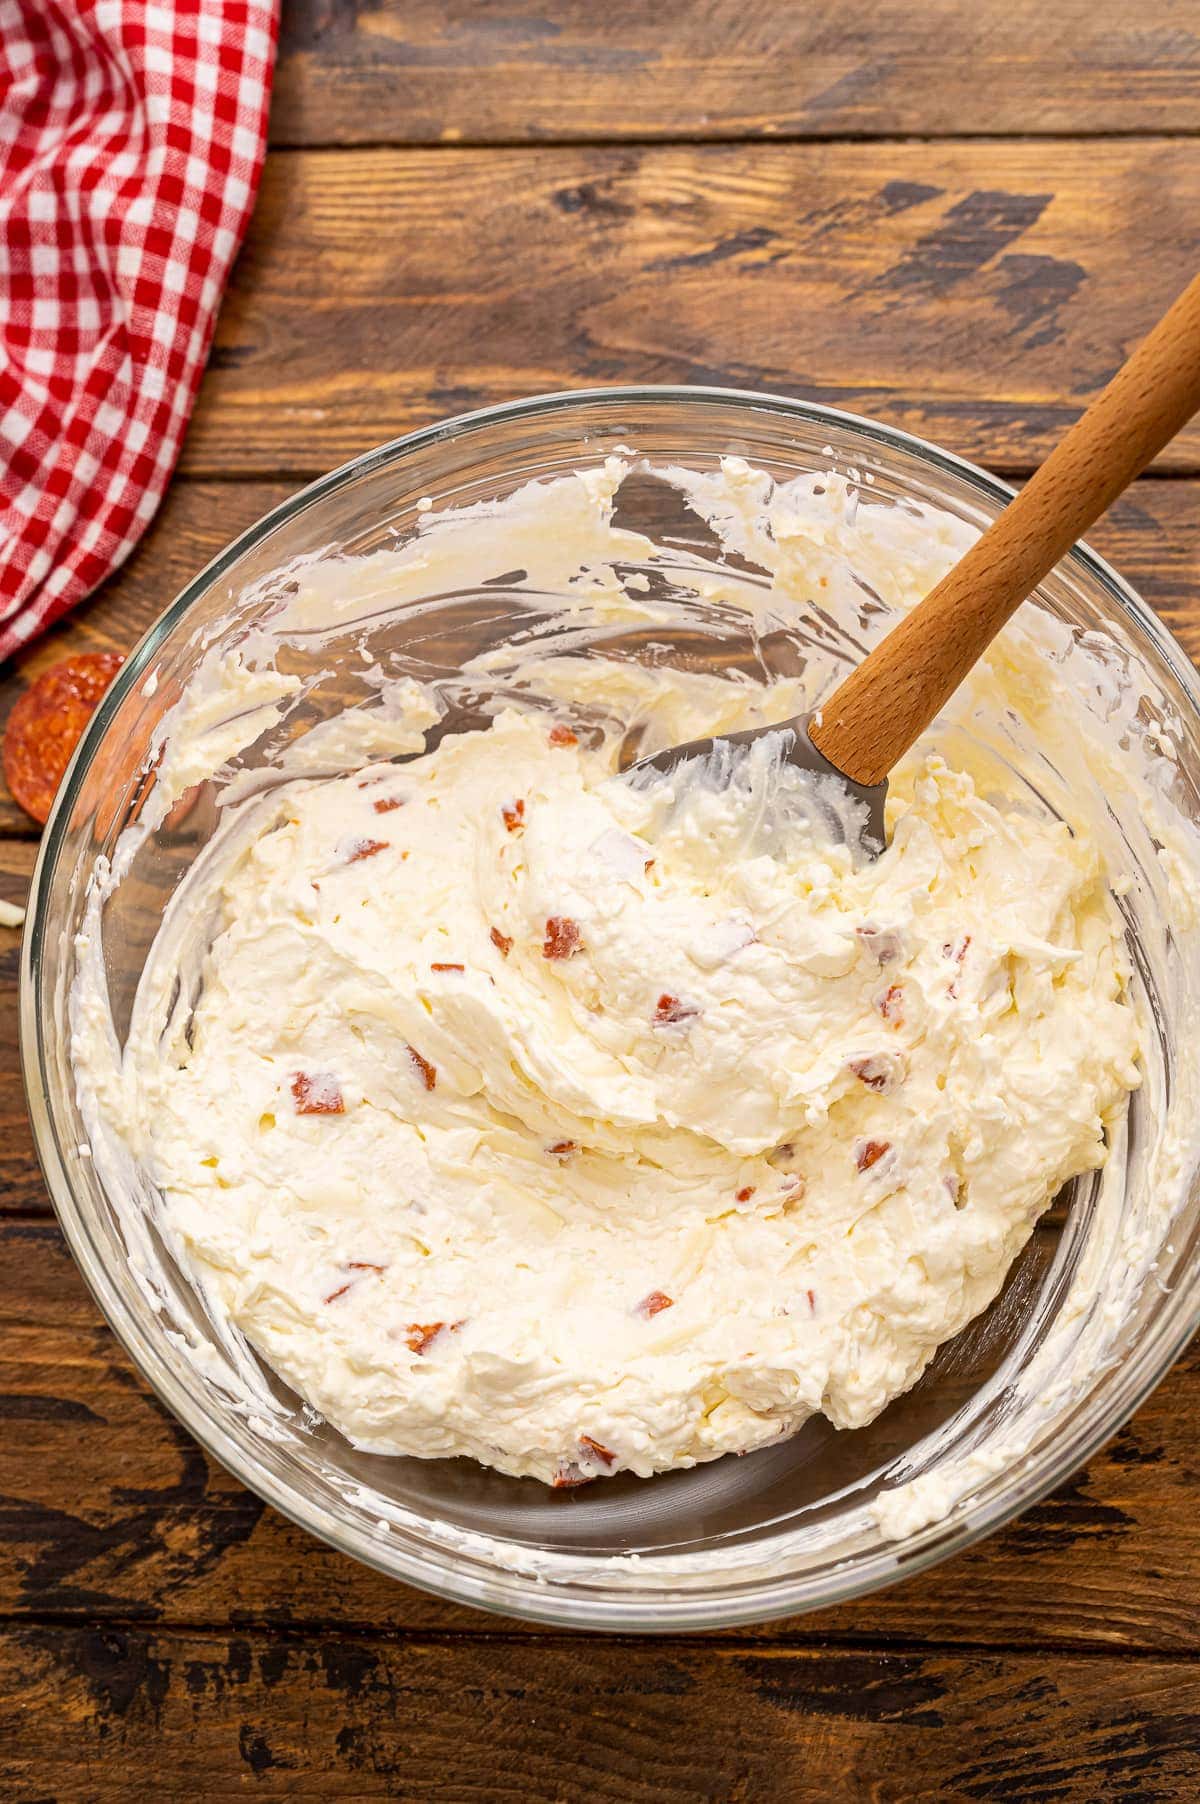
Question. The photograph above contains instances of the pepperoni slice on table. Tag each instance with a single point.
(47, 722)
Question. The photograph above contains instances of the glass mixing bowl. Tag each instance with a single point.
(1085, 1325)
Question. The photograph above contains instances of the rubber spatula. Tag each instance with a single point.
(878, 712)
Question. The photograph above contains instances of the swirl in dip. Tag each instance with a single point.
(578, 1127)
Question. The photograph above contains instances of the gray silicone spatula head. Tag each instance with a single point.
(798, 750)
(883, 707)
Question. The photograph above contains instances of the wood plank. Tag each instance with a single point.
(88, 1714)
(109, 1511)
(974, 293)
(409, 71)
(1152, 535)
(21, 1185)
(113, 1511)
(194, 523)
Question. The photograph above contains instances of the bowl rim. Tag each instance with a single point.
(433, 1566)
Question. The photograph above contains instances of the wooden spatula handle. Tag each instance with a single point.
(881, 709)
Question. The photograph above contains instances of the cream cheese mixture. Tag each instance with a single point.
(512, 1109)
(581, 1127)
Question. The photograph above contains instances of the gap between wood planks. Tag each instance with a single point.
(301, 477)
(669, 139)
(972, 294)
(419, 69)
(722, 1641)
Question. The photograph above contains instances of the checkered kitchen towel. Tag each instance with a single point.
(131, 140)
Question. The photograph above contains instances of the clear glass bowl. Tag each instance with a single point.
(792, 1527)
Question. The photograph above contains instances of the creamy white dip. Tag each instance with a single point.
(518, 1113)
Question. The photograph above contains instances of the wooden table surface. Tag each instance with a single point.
(955, 216)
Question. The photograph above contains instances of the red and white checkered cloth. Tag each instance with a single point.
(132, 135)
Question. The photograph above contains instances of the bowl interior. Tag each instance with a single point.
(790, 1525)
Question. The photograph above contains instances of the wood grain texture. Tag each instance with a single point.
(21, 1184)
(976, 294)
(1152, 536)
(89, 1714)
(162, 1632)
(109, 1511)
(881, 709)
(194, 523)
(416, 71)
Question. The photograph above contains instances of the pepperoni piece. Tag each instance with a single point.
(596, 1450)
(502, 942)
(891, 1004)
(869, 1152)
(563, 938)
(570, 1476)
(669, 1010)
(421, 1335)
(560, 735)
(654, 1304)
(878, 1073)
(316, 1093)
(47, 723)
(358, 849)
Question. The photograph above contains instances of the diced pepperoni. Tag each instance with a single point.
(501, 942)
(877, 1073)
(570, 1476)
(563, 1149)
(385, 804)
(358, 849)
(316, 1093)
(421, 1335)
(426, 1071)
(891, 1005)
(958, 953)
(869, 1152)
(354, 1265)
(513, 815)
(563, 938)
(669, 1010)
(745, 1193)
(594, 1449)
(560, 735)
(654, 1304)
(441, 967)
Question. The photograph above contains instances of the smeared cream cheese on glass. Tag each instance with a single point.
(580, 1127)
